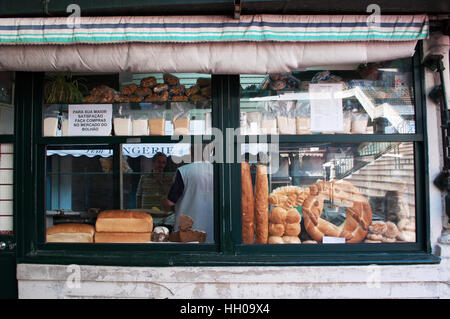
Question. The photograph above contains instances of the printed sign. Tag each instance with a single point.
(90, 119)
(326, 107)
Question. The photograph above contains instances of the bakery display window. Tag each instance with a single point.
(131, 139)
(326, 193)
(346, 167)
(375, 98)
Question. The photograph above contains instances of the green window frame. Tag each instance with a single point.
(227, 250)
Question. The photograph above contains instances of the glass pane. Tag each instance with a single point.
(332, 193)
(146, 193)
(6, 103)
(79, 183)
(127, 104)
(6, 189)
(162, 181)
(377, 98)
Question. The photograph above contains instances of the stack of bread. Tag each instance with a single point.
(70, 233)
(122, 226)
(284, 226)
(150, 91)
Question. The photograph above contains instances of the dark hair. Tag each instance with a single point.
(158, 154)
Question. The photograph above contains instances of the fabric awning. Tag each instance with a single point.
(209, 44)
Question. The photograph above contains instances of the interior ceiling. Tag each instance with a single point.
(44, 8)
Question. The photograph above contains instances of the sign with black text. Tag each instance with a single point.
(90, 119)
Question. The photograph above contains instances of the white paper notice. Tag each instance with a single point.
(90, 119)
(326, 107)
(333, 240)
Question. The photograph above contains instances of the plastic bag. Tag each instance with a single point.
(181, 117)
(347, 122)
(139, 124)
(157, 119)
(359, 123)
(253, 123)
(122, 120)
(268, 123)
(51, 121)
(285, 113)
(303, 118)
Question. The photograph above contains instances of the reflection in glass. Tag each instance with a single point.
(344, 193)
(377, 98)
(144, 193)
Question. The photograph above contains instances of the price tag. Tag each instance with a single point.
(333, 240)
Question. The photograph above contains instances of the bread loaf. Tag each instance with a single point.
(247, 205)
(261, 205)
(275, 240)
(157, 126)
(116, 237)
(276, 230)
(278, 215)
(185, 222)
(123, 221)
(192, 236)
(70, 233)
(291, 240)
(292, 229)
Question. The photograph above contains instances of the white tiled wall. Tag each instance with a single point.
(6, 188)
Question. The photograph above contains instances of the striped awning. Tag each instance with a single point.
(196, 29)
(256, 44)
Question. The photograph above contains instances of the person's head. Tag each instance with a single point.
(159, 162)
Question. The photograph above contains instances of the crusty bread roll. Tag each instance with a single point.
(275, 240)
(70, 233)
(123, 221)
(292, 229)
(115, 237)
(247, 205)
(278, 215)
(293, 216)
(261, 205)
(276, 229)
(291, 240)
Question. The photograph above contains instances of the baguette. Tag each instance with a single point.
(261, 205)
(247, 205)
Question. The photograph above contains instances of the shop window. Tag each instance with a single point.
(131, 179)
(345, 160)
(361, 99)
(332, 193)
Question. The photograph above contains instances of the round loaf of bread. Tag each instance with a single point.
(276, 229)
(292, 229)
(278, 215)
(291, 240)
(275, 240)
